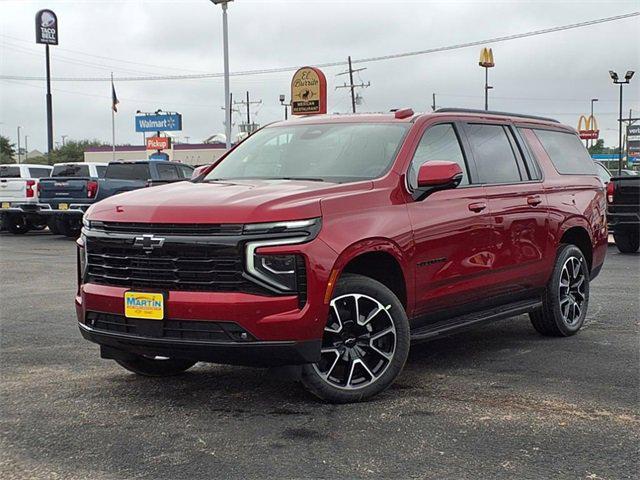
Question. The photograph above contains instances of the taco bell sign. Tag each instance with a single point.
(46, 27)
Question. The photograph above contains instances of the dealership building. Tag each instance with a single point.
(189, 153)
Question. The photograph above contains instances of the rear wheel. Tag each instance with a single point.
(155, 367)
(365, 343)
(18, 224)
(627, 241)
(566, 298)
(69, 227)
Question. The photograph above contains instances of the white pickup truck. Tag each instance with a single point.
(19, 203)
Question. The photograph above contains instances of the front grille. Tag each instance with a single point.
(172, 329)
(175, 266)
(170, 228)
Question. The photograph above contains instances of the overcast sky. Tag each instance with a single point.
(554, 74)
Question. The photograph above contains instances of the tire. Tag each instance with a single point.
(52, 223)
(627, 241)
(150, 367)
(566, 297)
(18, 224)
(350, 346)
(68, 227)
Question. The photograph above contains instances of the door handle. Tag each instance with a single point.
(534, 200)
(477, 207)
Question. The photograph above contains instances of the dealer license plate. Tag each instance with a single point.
(6, 205)
(144, 305)
(63, 206)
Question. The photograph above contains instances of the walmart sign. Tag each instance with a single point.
(162, 122)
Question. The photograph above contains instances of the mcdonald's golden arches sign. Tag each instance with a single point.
(486, 58)
(588, 127)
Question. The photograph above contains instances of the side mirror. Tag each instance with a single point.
(437, 175)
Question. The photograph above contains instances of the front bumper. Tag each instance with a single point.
(253, 353)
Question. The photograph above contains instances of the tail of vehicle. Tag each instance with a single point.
(18, 189)
(65, 188)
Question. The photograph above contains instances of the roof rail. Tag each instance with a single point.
(492, 112)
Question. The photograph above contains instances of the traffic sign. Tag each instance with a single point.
(161, 122)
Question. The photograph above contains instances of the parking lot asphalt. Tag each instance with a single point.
(498, 401)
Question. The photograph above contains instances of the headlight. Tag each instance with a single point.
(85, 223)
(303, 226)
(82, 258)
(276, 271)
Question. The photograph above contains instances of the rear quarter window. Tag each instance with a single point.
(567, 153)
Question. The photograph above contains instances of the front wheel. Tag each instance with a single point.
(627, 241)
(155, 367)
(365, 343)
(69, 227)
(566, 298)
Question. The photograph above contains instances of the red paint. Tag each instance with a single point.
(456, 246)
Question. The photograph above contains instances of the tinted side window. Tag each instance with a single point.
(567, 153)
(128, 171)
(185, 170)
(495, 159)
(39, 172)
(167, 171)
(101, 170)
(439, 142)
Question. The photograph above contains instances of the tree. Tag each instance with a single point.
(7, 150)
(73, 150)
(599, 148)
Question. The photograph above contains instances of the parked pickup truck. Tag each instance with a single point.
(68, 193)
(623, 210)
(126, 176)
(19, 203)
(118, 177)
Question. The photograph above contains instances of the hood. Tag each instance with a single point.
(242, 201)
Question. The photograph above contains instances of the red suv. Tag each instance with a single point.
(334, 242)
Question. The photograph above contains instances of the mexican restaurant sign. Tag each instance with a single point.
(308, 92)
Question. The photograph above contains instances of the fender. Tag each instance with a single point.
(378, 244)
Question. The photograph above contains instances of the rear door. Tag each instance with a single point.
(451, 229)
(518, 208)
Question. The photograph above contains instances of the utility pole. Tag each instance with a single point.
(19, 143)
(26, 148)
(433, 105)
(63, 137)
(351, 85)
(617, 81)
(249, 126)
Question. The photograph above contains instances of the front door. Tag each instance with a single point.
(451, 228)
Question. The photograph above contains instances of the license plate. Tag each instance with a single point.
(63, 206)
(6, 205)
(144, 305)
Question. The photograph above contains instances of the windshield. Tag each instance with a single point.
(343, 152)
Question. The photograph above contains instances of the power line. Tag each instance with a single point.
(340, 63)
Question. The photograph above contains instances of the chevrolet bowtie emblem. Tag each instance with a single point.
(148, 242)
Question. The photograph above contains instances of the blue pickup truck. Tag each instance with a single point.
(68, 197)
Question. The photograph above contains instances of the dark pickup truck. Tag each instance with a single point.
(119, 177)
(65, 196)
(623, 211)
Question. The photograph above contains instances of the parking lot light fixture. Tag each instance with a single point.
(227, 97)
(616, 81)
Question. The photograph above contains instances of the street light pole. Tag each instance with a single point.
(591, 118)
(18, 143)
(227, 98)
(616, 81)
(26, 148)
